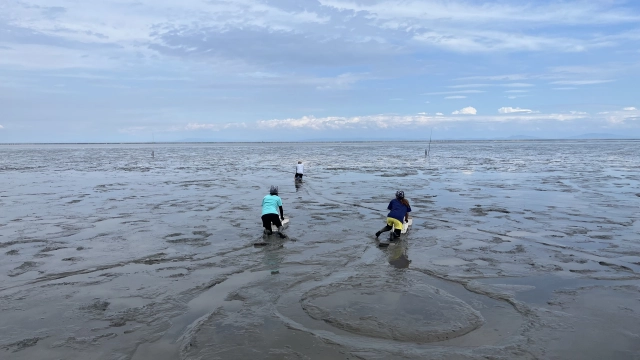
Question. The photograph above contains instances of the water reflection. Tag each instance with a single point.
(398, 255)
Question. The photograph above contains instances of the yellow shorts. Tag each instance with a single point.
(395, 223)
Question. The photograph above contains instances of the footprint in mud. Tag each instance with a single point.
(72, 259)
(12, 252)
(25, 267)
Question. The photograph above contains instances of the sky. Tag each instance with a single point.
(298, 70)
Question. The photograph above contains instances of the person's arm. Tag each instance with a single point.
(279, 203)
(406, 215)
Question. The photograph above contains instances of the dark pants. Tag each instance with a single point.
(397, 232)
(267, 219)
(298, 176)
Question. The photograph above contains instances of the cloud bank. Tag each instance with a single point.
(465, 111)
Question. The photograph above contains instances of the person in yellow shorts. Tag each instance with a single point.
(399, 212)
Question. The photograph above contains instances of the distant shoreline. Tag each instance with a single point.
(319, 141)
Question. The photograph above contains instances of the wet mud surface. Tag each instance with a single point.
(518, 250)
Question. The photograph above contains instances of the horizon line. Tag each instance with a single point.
(307, 141)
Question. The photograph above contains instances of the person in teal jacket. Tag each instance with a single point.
(271, 204)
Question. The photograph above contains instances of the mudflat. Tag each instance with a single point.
(518, 250)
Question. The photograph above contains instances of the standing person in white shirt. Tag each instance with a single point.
(299, 171)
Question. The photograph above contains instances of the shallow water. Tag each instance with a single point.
(518, 250)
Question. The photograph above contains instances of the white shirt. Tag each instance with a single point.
(299, 169)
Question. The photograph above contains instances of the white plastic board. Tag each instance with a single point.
(285, 222)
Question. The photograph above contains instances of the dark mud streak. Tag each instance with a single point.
(22, 344)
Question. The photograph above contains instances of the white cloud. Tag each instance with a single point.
(580, 82)
(1, 127)
(511, 110)
(565, 88)
(439, 114)
(622, 117)
(456, 97)
(469, 110)
(517, 91)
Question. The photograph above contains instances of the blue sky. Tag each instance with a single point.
(251, 70)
